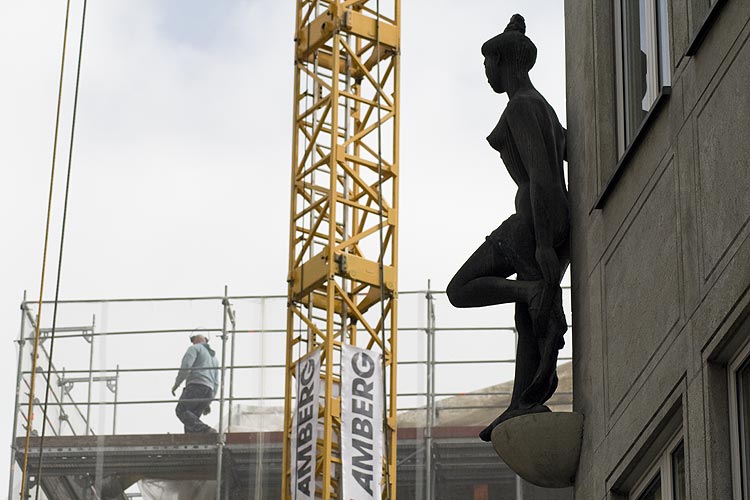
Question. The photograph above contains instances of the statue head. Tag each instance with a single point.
(509, 56)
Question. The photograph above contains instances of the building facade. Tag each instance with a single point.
(658, 95)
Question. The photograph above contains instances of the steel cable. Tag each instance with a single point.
(60, 253)
(37, 332)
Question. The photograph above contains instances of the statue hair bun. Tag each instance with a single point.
(517, 23)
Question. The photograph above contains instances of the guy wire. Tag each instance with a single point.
(60, 255)
(37, 332)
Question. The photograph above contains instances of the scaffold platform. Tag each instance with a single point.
(71, 464)
(69, 461)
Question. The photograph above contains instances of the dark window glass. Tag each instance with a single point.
(678, 472)
(636, 64)
(653, 492)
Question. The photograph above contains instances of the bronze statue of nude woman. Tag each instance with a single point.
(533, 242)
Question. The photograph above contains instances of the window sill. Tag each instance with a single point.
(708, 21)
(629, 151)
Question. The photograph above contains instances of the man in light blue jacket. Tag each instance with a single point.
(200, 371)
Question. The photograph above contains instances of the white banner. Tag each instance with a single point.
(361, 423)
(305, 427)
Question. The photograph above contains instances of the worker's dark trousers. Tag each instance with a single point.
(194, 400)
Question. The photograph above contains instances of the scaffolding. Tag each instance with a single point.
(109, 424)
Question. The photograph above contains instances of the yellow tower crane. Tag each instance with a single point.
(343, 238)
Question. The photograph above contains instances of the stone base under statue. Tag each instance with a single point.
(542, 448)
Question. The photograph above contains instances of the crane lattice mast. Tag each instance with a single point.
(344, 214)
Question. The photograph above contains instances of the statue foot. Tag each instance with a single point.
(486, 434)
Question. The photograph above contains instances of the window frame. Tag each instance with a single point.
(662, 468)
(735, 427)
(659, 70)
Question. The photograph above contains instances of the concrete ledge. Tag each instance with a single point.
(542, 448)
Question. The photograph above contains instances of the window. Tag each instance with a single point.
(653, 492)
(665, 479)
(677, 464)
(739, 391)
(642, 63)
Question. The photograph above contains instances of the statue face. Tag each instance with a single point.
(497, 74)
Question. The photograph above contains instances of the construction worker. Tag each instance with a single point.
(200, 371)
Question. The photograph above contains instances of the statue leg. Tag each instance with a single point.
(544, 382)
(482, 280)
(549, 344)
(536, 355)
(527, 355)
(527, 364)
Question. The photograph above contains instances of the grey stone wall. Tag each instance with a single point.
(660, 272)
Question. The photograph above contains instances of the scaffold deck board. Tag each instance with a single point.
(157, 456)
(248, 458)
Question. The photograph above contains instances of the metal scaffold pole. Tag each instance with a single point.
(343, 246)
(429, 481)
(221, 437)
(90, 384)
(17, 403)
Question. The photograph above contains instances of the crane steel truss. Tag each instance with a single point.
(344, 211)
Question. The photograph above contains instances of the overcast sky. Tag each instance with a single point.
(180, 178)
